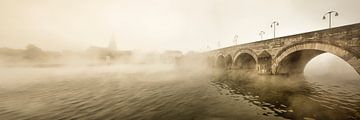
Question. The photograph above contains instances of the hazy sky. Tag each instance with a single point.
(160, 24)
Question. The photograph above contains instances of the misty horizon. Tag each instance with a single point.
(179, 60)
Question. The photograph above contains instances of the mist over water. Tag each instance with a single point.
(141, 59)
(114, 92)
(177, 92)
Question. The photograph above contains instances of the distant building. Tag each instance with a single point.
(110, 53)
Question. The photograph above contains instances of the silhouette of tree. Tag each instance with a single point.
(33, 52)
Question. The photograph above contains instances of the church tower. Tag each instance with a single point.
(112, 43)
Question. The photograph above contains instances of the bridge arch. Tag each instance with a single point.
(245, 59)
(293, 59)
(220, 61)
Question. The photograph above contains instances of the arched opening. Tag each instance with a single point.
(293, 59)
(228, 61)
(264, 62)
(220, 62)
(331, 67)
(296, 61)
(245, 61)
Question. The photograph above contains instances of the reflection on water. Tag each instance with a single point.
(151, 92)
(294, 97)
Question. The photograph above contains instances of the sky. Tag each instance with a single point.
(157, 25)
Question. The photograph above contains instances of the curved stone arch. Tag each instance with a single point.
(313, 49)
(245, 59)
(220, 61)
(217, 55)
(248, 51)
(310, 42)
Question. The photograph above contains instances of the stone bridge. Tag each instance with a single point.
(290, 54)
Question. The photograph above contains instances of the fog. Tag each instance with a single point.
(105, 83)
(146, 60)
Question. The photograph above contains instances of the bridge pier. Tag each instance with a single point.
(264, 63)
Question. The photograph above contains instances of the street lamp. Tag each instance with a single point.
(329, 13)
(261, 34)
(235, 39)
(273, 25)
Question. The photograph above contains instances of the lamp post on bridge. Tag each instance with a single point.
(261, 34)
(235, 39)
(330, 13)
(273, 25)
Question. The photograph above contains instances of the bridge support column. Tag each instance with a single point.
(264, 63)
(264, 68)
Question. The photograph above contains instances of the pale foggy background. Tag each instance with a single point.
(159, 25)
(130, 59)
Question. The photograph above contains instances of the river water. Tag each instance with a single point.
(165, 92)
